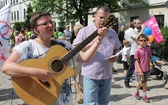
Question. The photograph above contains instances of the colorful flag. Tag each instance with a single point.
(153, 24)
(4, 32)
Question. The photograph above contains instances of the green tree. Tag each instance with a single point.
(164, 31)
(28, 16)
(18, 25)
(76, 10)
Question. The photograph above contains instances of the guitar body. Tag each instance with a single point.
(35, 92)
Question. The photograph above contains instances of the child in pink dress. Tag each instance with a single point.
(18, 39)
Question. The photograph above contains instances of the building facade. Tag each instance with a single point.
(18, 10)
(157, 8)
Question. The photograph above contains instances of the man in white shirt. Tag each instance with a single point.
(67, 33)
(138, 30)
(128, 31)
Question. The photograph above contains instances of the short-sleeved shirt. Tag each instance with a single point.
(67, 34)
(133, 40)
(127, 33)
(31, 49)
(99, 68)
(125, 52)
(143, 56)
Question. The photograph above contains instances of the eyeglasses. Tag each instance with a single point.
(142, 40)
(45, 24)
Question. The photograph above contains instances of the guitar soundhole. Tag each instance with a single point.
(57, 65)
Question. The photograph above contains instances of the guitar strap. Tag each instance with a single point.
(62, 43)
(54, 42)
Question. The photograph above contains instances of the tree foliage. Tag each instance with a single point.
(28, 16)
(74, 10)
(164, 31)
(18, 25)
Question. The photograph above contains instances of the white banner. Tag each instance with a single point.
(4, 32)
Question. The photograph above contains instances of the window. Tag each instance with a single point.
(17, 15)
(3, 3)
(24, 14)
(12, 15)
(133, 18)
(160, 20)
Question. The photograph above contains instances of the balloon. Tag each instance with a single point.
(151, 38)
(147, 31)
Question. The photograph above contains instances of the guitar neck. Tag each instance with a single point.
(110, 21)
(78, 48)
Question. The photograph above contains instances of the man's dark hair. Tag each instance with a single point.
(142, 36)
(36, 16)
(130, 24)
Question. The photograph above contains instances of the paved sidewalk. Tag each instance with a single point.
(119, 94)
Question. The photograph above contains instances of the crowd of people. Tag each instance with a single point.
(93, 72)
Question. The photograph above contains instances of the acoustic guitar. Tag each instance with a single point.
(35, 92)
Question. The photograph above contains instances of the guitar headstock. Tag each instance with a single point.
(111, 21)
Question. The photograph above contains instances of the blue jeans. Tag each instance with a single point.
(130, 70)
(96, 92)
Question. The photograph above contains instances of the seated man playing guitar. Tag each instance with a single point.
(43, 81)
